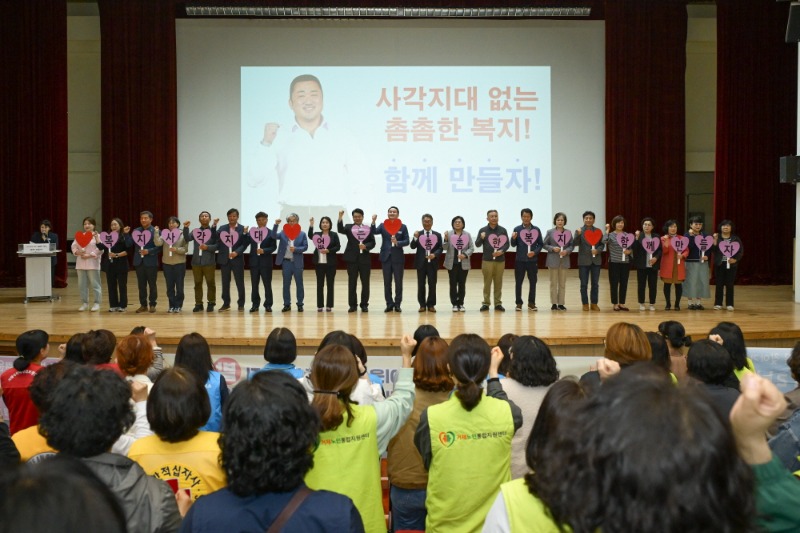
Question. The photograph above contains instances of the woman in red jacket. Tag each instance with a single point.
(673, 269)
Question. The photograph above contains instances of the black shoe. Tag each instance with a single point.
(699, 307)
(286, 309)
(210, 308)
(389, 309)
(677, 307)
(197, 309)
(692, 307)
(484, 308)
(397, 309)
(364, 309)
(351, 310)
(268, 309)
(299, 308)
(254, 309)
(562, 308)
(241, 308)
(554, 307)
(499, 308)
(667, 307)
(225, 307)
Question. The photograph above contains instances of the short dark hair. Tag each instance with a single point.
(794, 362)
(98, 346)
(430, 366)
(358, 349)
(559, 214)
(280, 347)
(457, 217)
(90, 220)
(526, 210)
(301, 78)
(695, 218)
(173, 219)
(709, 362)
(588, 213)
(618, 218)
(726, 222)
(270, 433)
(46, 222)
(668, 224)
(426, 215)
(62, 491)
(421, 333)
(148, 213)
(491, 211)
(648, 219)
(337, 337)
(675, 333)
(232, 210)
(29, 345)
(194, 354)
(357, 210)
(118, 221)
(178, 405)
(46, 381)
(74, 349)
(395, 208)
(134, 355)
(469, 357)
(637, 443)
(261, 214)
(733, 342)
(532, 364)
(504, 343)
(324, 218)
(89, 410)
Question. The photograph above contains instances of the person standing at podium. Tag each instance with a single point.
(45, 235)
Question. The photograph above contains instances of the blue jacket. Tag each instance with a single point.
(300, 246)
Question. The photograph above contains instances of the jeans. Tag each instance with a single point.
(408, 508)
(292, 269)
(87, 278)
(583, 274)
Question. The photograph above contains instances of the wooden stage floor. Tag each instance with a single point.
(767, 315)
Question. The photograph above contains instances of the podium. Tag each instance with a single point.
(38, 272)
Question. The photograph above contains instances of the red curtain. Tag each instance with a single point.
(756, 125)
(139, 122)
(645, 109)
(33, 128)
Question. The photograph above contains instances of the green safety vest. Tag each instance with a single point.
(471, 458)
(346, 461)
(526, 513)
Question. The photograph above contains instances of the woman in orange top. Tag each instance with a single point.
(673, 269)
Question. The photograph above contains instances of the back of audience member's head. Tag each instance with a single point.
(658, 345)
(532, 364)
(194, 354)
(88, 412)
(645, 455)
(138, 330)
(281, 347)
(709, 362)
(733, 341)
(29, 346)
(270, 434)
(430, 366)
(178, 405)
(98, 346)
(626, 343)
(674, 332)
(334, 375)
(134, 355)
(469, 357)
(46, 381)
(504, 343)
(560, 400)
(358, 349)
(74, 350)
(421, 333)
(339, 338)
(60, 494)
(794, 362)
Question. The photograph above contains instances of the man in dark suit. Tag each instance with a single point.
(356, 254)
(261, 264)
(428, 244)
(230, 258)
(145, 262)
(395, 236)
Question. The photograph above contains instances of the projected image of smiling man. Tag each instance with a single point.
(318, 166)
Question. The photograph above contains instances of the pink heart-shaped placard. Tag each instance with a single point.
(651, 244)
(704, 243)
(679, 243)
(428, 242)
(529, 236)
(83, 238)
(459, 242)
(562, 238)
(171, 236)
(201, 235)
(109, 238)
(141, 237)
(228, 238)
(321, 241)
(392, 225)
(625, 240)
(729, 248)
(259, 234)
(592, 236)
(292, 231)
(497, 241)
(360, 232)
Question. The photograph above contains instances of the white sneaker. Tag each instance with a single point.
(641, 307)
(717, 308)
(83, 307)
(456, 309)
(730, 308)
(652, 307)
(462, 309)
(113, 310)
(96, 307)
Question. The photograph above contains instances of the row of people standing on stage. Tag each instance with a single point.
(677, 260)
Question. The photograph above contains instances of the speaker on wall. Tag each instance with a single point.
(790, 169)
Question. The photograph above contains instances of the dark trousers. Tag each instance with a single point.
(174, 275)
(325, 274)
(726, 277)
(678, 292)
(647, 277)
(146, 277)
(117, 288)
(584, 272)
(618, 274)
(355, 271)
(458, 283)
(392, 270)
(237, 267)
(261, 274)
(522, 269)
(428, 274)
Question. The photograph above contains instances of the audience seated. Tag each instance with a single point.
(626, 344)
(280, 352)
(710, 364)
(677, 340)
(194, 354)
(32, 348)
